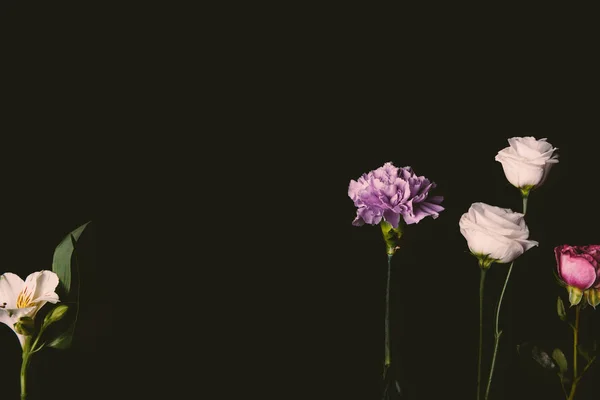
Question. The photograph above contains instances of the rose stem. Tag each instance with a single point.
(497, 333)
(481, 285)
(575, 334)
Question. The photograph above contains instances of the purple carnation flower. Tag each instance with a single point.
(390, 192)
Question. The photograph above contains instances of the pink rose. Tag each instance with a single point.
(579, 269)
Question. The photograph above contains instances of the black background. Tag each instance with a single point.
(435, 279)
(283, 107)
(53, 174)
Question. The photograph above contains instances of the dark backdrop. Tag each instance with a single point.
(361, 90)
(434, 305)
(52, 177)
(41, 205)
(292, 107)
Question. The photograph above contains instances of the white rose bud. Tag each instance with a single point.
(527, 161)
(495, 234)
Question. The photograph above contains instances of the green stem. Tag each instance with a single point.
(497, 333)
(525, 204)
(388, 356)
(23, 377)
(33, 348)
(481, 285)
(24, 365)
(575, 340)
(589, 364)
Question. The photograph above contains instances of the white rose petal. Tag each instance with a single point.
(498, 233)
(527, 161)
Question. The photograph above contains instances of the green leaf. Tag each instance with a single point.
(61, 262)
(560, 359)
(560, 309)
(64, 341)
(584, 353)
(61, 265)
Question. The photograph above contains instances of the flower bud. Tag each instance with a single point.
(25, 326)
(578, 268)
(56, 314)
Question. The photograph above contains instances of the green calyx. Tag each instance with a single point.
(485, 261)
(592, 296)
(525, 190)
(575, 295)
(391, 236)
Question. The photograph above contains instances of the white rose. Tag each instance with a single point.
(527, 161)
(497, 233)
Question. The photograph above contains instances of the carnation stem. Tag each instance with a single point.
(388, 356)
(481, 285)
(525, 197)
(497, 333)
(389, 382)
(575, 340)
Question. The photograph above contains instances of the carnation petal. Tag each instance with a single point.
(392, 191)
(392, 218)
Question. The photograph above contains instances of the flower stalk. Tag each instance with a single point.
(391, 236)
(24, 365)
(388, 355)
(575, 342)
(525, 196)
(481, 286)
(497, 332)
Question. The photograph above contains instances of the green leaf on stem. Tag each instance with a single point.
(560, 359)
(62, 266)
(583, 353)
(560, 309)
(63, 341)
(61, 261)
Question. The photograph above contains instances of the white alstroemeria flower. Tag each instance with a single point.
(20, 298)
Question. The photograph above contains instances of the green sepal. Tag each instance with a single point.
(485, 261)
(391, 236)
(592, 296)
(525, 190)
(575, 295)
